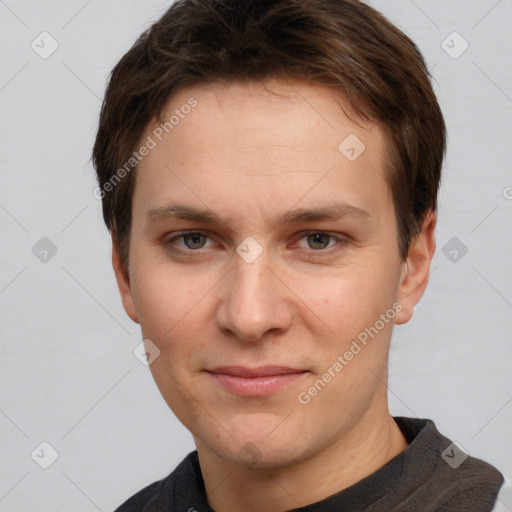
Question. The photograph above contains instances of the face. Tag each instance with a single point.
(262, 251)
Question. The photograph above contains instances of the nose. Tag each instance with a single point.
(254, 301)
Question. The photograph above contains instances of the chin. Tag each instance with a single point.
(258, 441)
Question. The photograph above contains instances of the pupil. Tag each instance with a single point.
(195, 239)
(317, 239)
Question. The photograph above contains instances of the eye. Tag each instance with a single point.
(319, 241)
(194, 240)
(311, 242)
(191, 240)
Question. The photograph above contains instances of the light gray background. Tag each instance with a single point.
(69, 376)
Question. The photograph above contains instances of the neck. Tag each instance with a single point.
(368, 446)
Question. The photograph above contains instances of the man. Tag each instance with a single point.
(269, 173)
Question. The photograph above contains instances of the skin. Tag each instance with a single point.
(251, 153)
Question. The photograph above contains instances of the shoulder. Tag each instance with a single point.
(139, 500)
(447, 478)
(184, 480)
(474, 485)
(504, 498)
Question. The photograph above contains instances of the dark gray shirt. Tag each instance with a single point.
(431, 474)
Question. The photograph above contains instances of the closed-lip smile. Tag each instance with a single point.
(259, 371)
(255, 381)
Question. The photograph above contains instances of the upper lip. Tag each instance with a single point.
(259, 371)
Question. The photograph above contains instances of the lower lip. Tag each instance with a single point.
(256, 386)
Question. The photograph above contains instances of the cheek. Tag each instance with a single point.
(171, 316)
(347, 299)
(171, 308)
(169, 304)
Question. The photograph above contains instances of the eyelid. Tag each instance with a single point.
(338, 237)
(180, 234)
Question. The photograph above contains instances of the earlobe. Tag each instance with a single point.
(415, 270)
(123, 285)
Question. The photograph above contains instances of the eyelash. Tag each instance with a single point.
(341, 241)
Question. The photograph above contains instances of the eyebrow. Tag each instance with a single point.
(331, 212)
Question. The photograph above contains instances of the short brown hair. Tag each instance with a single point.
(343, 43)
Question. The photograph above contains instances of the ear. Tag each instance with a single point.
(123, 285)
(416, 268)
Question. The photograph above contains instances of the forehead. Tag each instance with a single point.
(261, 148)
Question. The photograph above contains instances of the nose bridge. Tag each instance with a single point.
(251, 302)
(252, 280)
